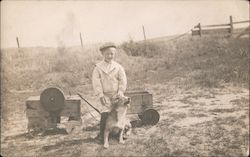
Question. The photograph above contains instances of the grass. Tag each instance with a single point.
(206, 62)
(167, 69)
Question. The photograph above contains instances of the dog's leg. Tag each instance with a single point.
(106, 138)
(127, 131)
(121, 136)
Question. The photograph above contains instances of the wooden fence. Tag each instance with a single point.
(227, 29)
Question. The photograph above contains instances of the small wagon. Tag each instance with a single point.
(45, 111)
(142, 104)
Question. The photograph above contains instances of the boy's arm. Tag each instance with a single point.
(122, 81)
(96, 82)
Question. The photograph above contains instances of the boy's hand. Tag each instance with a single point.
(103, 101)
(120, 94)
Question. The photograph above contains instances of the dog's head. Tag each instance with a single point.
(120, 101)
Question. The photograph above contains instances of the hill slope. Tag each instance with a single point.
(198, 86)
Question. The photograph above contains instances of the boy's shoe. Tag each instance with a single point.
(99, 138)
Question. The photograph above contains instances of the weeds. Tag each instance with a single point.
(204, 62)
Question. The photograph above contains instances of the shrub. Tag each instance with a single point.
(146, 49)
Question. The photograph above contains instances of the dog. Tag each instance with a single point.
(116, 120)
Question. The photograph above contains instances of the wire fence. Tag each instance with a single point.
(197, 30)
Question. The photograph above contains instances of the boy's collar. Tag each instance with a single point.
(108, 62)
(112, 63)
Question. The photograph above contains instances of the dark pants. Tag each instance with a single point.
(104, 117)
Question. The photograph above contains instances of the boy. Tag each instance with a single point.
(109, 80)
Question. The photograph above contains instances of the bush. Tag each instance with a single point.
(146, 49)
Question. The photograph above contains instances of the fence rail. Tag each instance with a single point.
(227, 29)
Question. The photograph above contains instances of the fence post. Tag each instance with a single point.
(231, 25)
(145, 41)
(144, 33)
(17, 41)
(199, 26)
(81, 39)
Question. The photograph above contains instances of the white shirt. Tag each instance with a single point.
(108, 79)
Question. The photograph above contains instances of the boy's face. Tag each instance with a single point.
(109, 54)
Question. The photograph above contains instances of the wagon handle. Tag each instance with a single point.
(88, 103)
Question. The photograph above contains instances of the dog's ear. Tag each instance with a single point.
(127, 100)
(114, 100)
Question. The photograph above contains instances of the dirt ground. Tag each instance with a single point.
(193, 122)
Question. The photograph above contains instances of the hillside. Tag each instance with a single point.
(200, 88)
(190, 54)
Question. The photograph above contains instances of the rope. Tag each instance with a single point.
(89, 105)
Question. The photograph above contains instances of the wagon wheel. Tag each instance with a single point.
(149, 117)
(53, 101)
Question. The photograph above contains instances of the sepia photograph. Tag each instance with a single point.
(83, 78)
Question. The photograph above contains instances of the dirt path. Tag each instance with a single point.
(205, 122)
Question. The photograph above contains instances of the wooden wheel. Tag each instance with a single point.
(150, 117)
(52, 99)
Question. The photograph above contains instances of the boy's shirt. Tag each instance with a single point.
(108, 79)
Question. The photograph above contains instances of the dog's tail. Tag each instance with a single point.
(88, 103)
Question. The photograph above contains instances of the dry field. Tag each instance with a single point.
(199, 87)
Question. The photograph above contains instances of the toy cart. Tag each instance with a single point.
(142, 104)
(45, 111)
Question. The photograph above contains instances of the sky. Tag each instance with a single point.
(53, 23)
